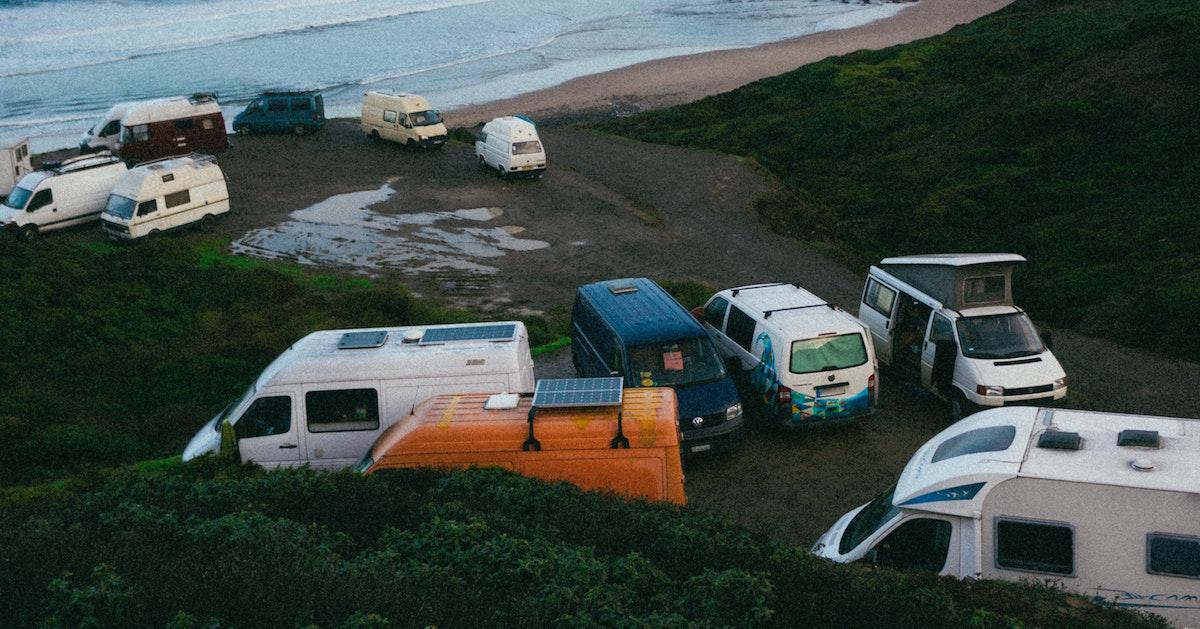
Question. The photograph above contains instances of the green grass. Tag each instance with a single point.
(1063, 130)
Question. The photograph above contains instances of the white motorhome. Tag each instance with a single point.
(14, 164)
(808, 362)
(510, 145)
(1101, 504)
(61, 194)
(404, 118)
(106, 133)
(948, 320)
(325, 400)
(164, 195)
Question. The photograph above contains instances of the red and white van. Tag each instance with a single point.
(172, 126)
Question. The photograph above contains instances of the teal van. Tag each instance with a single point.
(297, 112)
(634, 329)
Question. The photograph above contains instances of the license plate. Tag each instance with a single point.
(831, 390)
(707, 446)
(527, 168)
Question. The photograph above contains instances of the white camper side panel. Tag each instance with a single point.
(1109, 527)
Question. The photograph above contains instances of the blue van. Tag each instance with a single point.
(298, 112)
(635, 329)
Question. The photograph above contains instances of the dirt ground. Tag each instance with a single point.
(609, 208)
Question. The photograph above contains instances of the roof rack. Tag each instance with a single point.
(767, 313)
(198, 159)
(82, 162)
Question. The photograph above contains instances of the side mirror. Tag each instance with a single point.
(407, 124)
(1048, 340)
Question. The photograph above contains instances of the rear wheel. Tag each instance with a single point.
(154, 233)
(299, 129)
(208, 222)
(374, 135)
(243, 129)
(28, 233)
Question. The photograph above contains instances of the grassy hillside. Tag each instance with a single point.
(1064, 130)
(208, 545)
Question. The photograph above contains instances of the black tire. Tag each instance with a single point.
(960, 406)
(501, 173)
(410, 143)
(154, 233)
(374, 135)
(28, 233)
(299, 129)
(208, 223)
(243, 129)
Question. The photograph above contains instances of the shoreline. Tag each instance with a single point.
(672, 81)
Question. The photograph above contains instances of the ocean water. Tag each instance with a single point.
(63, 63)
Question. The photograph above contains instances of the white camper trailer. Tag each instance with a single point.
(325, 400)
(404, 118)
(14, 164)
(164, 195)
(1101, 504)
(948, 320)
(510, 145)
(61, 194)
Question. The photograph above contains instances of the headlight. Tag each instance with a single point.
(989, 391)
(1061, 383)
(364, 464)
(733, 412)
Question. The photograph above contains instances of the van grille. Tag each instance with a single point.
(1027, 390)
(710, 420)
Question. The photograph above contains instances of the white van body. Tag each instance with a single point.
(106, 133)
(334, 392)
(14, 164)
(1002, 495)
(808, 362)
(404, 118)
(61, 194)
(991, 354)
(510, 145)
(166, 194)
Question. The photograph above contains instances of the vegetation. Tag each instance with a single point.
(212, 545)
(1064, 130)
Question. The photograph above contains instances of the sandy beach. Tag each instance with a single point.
(675, 80)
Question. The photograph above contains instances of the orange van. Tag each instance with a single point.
(630, 448)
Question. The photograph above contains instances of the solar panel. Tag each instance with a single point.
(578, 392)
(362, 340)
(502, 332)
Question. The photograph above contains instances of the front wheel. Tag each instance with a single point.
(208, 222)
(299, 129)
(243, 129)
(374, 135)
(960, 406)
(28, 233)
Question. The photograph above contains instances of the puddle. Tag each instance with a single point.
(343, 231)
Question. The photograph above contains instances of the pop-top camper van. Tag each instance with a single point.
(1101, 504)
(172, 126)
(325, 400)
(61, 194)
(587, 431)
(948, 320)
(14, 164)
(510, 146)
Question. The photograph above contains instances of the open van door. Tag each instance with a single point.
(939, 355)
(877, 310)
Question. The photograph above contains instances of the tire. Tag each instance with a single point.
(299, 129)
(243, 129)
(208, 222)
(374, 135)
(154, 233)
(410, 143)
(501, 173)
(960, 406)
(28, 233)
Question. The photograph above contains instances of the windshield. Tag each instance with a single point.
(18, 198)
(225, 412)
(999, 336)
(827, 353)
(877, 513)
(688, 361)
(119, 206)
(424, 118)
(527, 148)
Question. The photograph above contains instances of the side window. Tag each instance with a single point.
(389, 115)
(714, 312)
(114, 126)
(942, 329)
(177, 198)
(147, 207)
(740, 328)
(277, 104)
(482, 137)
(140, 133)
(342, 410)
(207, 124)
(1173, 555)
(984, 290)
(879, 297)
(1035, 546)
(40, 200)
(301, 104)
(183, 124)
(266, 416)
(921, 543)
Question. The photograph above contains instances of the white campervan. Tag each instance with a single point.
(808, 362)
(106, 133)
(61, 194)
(1101, 504)
(166, 194)
(510, 145)
(14, 164)
(949, 321)
(325, 400)
(404, 118)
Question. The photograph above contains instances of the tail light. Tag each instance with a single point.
(785, 396)
(871, 390)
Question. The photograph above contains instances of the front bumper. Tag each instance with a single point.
(724, 437)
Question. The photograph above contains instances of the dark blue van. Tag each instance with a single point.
(635, 329)
(297, 112)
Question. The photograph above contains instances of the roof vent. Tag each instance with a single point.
(622, 289)
(412, 336)
(1138, 438)
(362, 340)
(1142, 465)
(502, 401)
(1059, 440)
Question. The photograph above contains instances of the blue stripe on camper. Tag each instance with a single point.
(962, 492)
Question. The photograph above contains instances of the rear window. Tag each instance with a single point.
(990, 439)
(879, 297)
(526, 148)
(827, 353)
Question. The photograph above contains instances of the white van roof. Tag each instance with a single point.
(411, 101)
(955, 259)
(794, 309)
(516, 128)
(978, 452)
(145, 112)
(149, 180)
(12, 143)
(398, 353)
(75, 164)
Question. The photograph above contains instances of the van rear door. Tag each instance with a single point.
(877, 310)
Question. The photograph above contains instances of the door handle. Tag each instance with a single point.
(288, 446)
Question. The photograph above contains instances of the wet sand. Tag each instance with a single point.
(675, 80)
